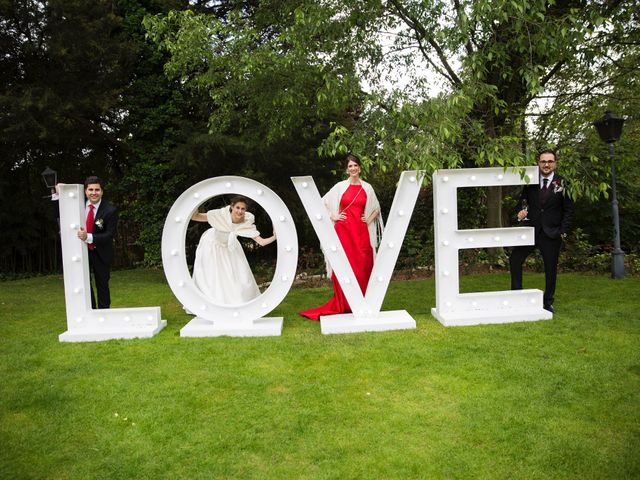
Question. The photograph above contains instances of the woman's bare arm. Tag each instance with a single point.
(199, 217)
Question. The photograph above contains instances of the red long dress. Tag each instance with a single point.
(354, 237)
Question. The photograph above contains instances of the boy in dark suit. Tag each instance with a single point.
(547, 207)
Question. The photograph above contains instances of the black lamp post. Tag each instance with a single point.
(610, 128)
(50, 178)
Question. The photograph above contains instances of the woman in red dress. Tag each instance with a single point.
(355, 211)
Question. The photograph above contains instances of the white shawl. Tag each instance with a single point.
(332, 203)
(220, 220)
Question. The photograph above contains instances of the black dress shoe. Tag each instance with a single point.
(549, 308)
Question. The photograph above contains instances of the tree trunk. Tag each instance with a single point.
(494, 220)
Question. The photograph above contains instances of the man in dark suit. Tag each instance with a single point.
(101, 225)
(547, 207)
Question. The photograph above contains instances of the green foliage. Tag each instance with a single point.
(258, 69)
(505, 52)
(580, 255)
(280, 68)
(278, 88)
(60, 76)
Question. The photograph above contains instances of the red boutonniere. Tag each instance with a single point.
(558, 186)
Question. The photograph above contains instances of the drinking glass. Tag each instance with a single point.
(525, 207)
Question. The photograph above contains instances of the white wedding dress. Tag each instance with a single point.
(221, 270)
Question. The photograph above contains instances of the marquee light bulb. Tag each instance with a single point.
(496, 238)
(412, 179)
(260, 192)
(178, 219)
(75, 259)
(228, 184)
(445, 179)
(282, 218)
(500, 177)
(444, 211)
(470, 239)
(127, 319)
(318, 216)
(196, 195)
(401, 213)
(472, 178)
(445, 243)
(305, 185)
(288, 248)
(523, 237)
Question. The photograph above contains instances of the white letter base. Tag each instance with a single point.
(349, 323)
(262, 327)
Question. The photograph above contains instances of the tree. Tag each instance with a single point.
(62, 75)
(494, 62)
(68, 71)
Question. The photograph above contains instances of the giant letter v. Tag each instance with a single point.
(366, 314)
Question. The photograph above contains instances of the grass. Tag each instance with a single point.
(552, 399)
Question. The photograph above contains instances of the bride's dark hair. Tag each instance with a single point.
(238, 199)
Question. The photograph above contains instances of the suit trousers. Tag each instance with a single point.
(101, 274)
(550, 250)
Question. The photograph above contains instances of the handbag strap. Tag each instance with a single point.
(354, 199)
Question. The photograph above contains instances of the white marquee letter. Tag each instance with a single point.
(233, 320)
(85, 324)
(366, 314)
(452, 307)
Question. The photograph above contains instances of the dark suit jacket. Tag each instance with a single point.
(104, 229)
(552, 213)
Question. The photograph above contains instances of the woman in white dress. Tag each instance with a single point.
(221, 270)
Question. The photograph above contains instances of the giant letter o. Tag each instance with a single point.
(174, 258)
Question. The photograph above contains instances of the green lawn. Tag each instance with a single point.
(548, 400)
